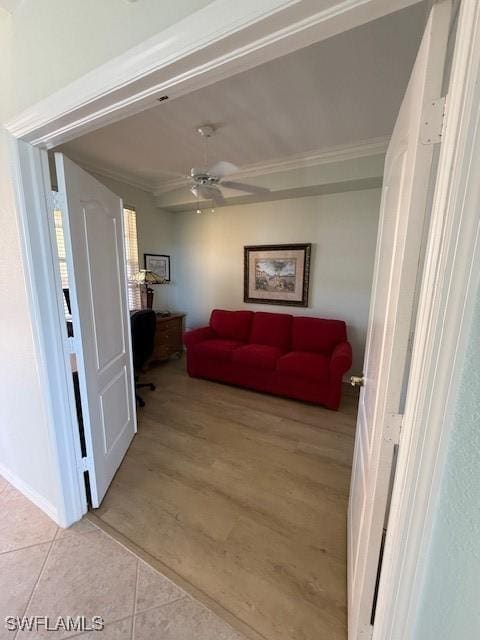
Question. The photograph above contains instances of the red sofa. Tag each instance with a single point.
(299, 357)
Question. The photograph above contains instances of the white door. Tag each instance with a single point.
(94, 243)
(403, 222)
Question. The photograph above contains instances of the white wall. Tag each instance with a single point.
(25, 452)
(154, 234)
(450, 609)
(341, 227)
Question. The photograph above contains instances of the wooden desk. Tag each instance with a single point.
(168, 337)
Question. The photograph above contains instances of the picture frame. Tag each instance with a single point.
(277, 274)
(158, 263)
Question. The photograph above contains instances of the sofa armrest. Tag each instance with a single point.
(341, 360)
(194, 336)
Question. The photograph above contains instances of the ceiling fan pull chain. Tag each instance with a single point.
(205, 158)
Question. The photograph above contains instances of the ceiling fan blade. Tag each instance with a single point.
(174, 187)
(217, 196)
(241, 186)
(218, 201)
(222, 168)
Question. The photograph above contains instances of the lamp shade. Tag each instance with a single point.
(144, 276)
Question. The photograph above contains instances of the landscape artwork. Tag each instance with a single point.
(277, 274)
(158, 263)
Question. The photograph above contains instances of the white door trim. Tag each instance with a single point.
(121, 87)
(447, 299)
(34, 205)
(216, 42)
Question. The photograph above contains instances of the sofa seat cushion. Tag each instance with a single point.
(259, 356)
(303, 364)
(217, 349)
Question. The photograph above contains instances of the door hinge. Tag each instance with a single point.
(84, 465)
(433, 121)
(393, 427)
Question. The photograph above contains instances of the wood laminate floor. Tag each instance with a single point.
(244, 496)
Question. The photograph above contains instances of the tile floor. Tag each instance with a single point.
(81, 571)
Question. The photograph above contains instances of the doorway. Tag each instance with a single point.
(353, 198)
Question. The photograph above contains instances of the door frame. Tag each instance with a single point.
(450, 283)
(199, 55)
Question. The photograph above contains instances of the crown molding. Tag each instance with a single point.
(329, 155)
(220, 40)
(169, 185)
(339, 153)
(119, 176)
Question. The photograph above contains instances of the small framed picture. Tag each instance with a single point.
(158, 263)
(277, 274)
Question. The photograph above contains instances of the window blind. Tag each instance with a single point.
(62, 257)
(131, 256)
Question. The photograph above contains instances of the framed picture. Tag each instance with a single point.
(277, 274)
(157, 263)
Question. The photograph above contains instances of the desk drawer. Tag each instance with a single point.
(169, 325)
(168, 338)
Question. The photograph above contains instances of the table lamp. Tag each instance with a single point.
(145, 278)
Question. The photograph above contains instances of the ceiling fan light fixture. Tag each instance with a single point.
(207, 183)
(205, 130)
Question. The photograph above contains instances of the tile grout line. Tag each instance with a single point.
(165, 604)
(135, 555)
(28, 546)
(40, 574)
(82, 633)
(135, 591)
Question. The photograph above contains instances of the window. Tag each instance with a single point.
(131, 255)
(62, 258)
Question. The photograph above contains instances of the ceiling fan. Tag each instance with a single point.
(207, 183)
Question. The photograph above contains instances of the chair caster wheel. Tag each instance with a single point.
(152, 387)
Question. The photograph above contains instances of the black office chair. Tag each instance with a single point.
(143, 324)
(66, 296)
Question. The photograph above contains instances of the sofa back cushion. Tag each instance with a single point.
(316, 334)
(231, 325)
(273, 329)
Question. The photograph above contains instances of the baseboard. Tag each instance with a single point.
(42, 503)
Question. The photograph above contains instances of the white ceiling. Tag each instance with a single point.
(337, 92)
